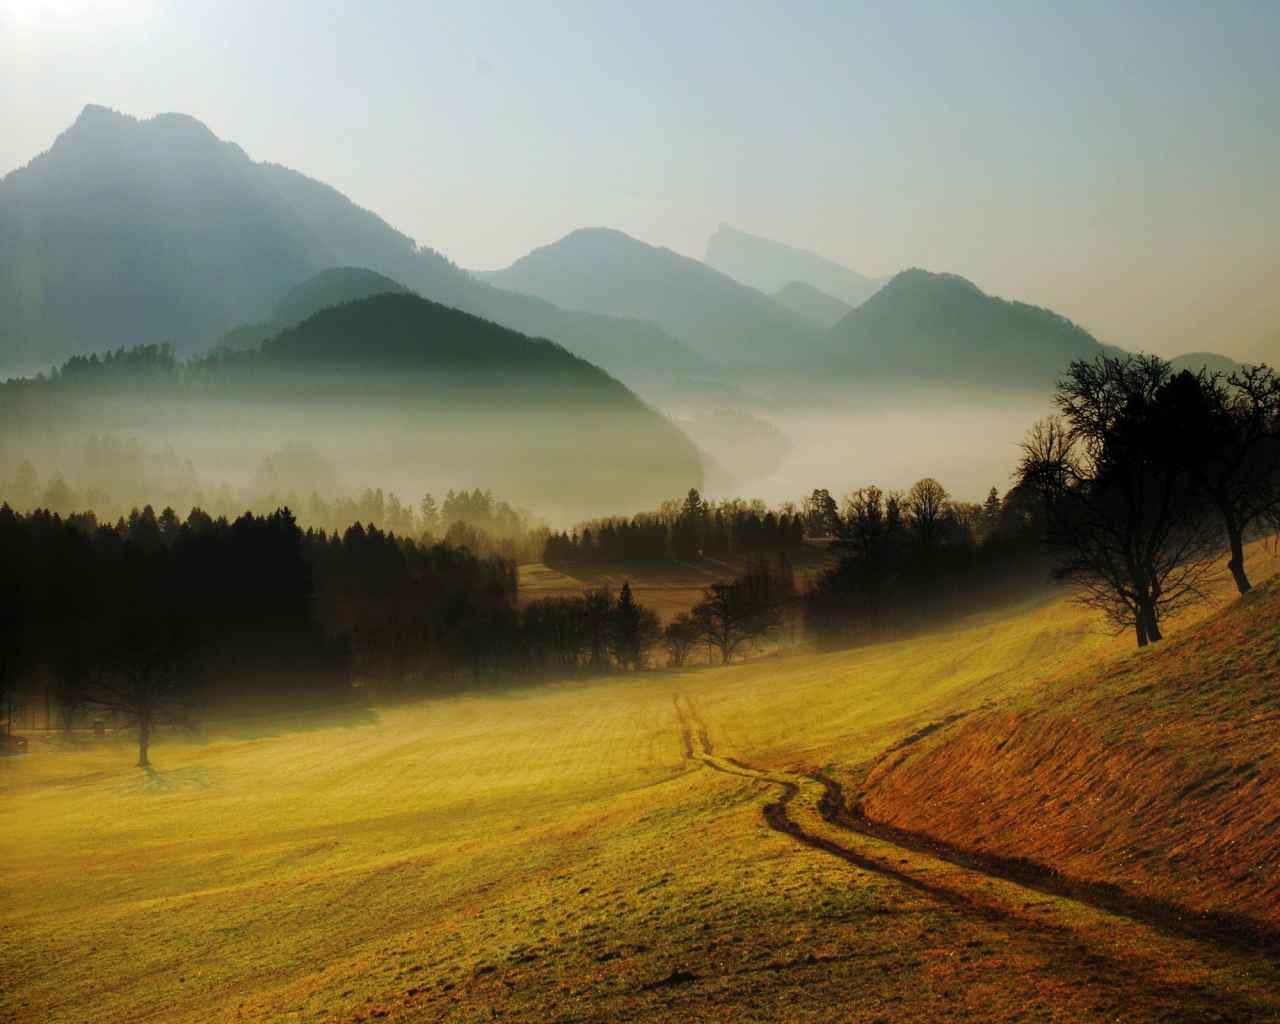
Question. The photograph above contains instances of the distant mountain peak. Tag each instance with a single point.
(925, 325)
(605, 271)
(770, 266)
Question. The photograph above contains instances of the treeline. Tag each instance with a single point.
(107, 467)
(910, 558)
(474, 519)
(679, 531)
(275, 613)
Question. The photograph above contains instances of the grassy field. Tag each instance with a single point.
(574, 852)
(1156, 775)
(667, 589)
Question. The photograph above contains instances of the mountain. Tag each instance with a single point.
(390, 388)
(130, 232)
(605, 271)
(770, 266)
(815, 306)
(1211, 361)
(939, 327)
(1265, 349)
(330, 287)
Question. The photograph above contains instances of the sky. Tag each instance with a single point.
(1118, 163)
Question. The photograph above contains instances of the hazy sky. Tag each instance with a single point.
(1119, 163)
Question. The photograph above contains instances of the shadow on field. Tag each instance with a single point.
(161, 781)
(260, 727)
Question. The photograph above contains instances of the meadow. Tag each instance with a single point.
(635, 848)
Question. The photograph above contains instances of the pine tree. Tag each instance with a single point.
(430, 515)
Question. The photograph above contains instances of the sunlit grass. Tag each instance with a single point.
(547, 853)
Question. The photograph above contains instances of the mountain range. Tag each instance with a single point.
(390, 387)
(923, 326)
(131, 232)
(605, 271)
(770, 266)
(155, 231)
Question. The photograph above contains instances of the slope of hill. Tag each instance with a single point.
(1154, 779)
(605, 271)
(769, 266)
(391, 389)
(332, 287)
(504, 852)
(923, 326)
(130, 232)
(1211, 361)
(805, 300)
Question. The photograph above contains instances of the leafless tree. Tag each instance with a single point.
(1120, 516)
(1225, 430)
(150, 673)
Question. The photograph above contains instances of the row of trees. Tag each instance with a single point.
(735, 614)
(1146, 474)
(264, 610)
(680, 531)
(593, 632)
(909, 557)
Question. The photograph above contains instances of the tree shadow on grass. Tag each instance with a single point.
(268, 726)
(161, 781)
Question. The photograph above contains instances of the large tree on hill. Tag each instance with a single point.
(1122, 514)
(1225, 430)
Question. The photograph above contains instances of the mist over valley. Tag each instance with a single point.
(639, 514)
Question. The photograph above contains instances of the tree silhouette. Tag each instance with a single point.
(1225, 430)
(150, 673)
(635, 630)
(678, 638)
(1121, 516)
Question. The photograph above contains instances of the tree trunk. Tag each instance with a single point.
(1140, 626)
(1153, 623)
(1236, 564)
(144, 741)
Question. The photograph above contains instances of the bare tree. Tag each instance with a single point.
(741, 611)
(597, 623)
(1120, 517)
(868, 527)
(1225, 430)
(678, 638)
(927, 508)
(150, 673)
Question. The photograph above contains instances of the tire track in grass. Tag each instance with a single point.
(811, 810)
(698, 747)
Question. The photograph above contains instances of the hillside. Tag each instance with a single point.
(939, 327)
(129, 232)
(806, 301)
(769, 266)
(605, 271)
(1152, 782)
(330, 287)
(393, 390)
(601, 844)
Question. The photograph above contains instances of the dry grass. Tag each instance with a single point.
(1156, 774)
(553, 854)
(667, 589)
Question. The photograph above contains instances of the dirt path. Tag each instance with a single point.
(810, 809)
